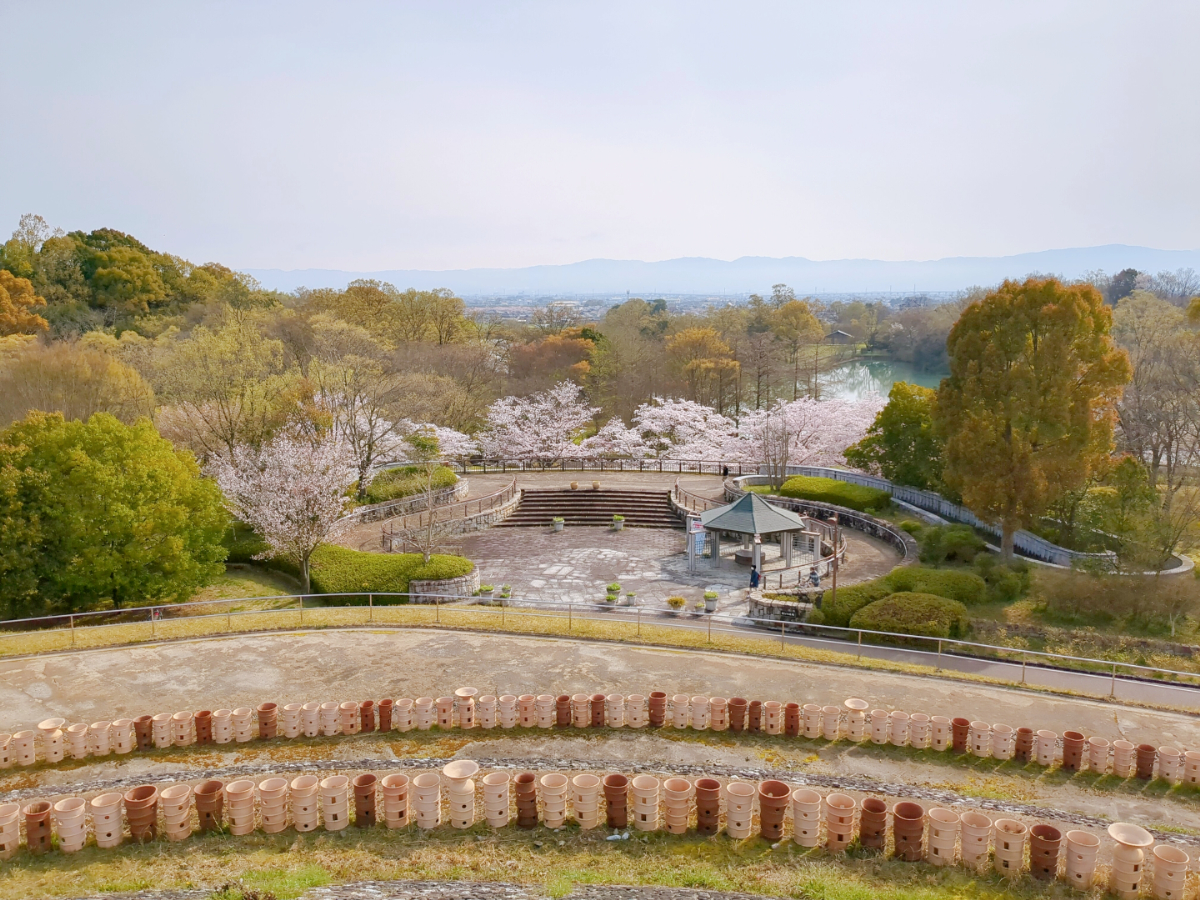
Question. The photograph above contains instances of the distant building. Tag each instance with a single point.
(839, 337)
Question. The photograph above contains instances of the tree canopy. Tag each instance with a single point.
(901, 444)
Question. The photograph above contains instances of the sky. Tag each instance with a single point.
(368, 136)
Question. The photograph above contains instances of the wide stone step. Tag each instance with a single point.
(589, 507)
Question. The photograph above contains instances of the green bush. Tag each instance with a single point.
(911, 613)
(911, 526)
(839, 493)
(949, 543)
(851, 599)
(815, 617)
(337, 570)
(243, 543)
(965, 587)
(405, 481)
(1005, 583)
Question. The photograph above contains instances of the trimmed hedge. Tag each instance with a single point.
(405, 481)
(949, 543)
(839, 493)
(851, 599)
(911, 613)
(965, 587)
(336, 570)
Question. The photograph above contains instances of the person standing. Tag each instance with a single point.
(754, 576)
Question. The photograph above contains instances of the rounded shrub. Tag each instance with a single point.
(851, 599)
(925, 615)
(965, 587)
(337, 570)
(839, 493)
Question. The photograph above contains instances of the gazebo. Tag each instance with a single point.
(753, 517)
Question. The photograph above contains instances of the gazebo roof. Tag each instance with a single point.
(752, 514)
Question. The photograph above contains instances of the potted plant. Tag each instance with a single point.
(614, 588)
(557, 523)
(618, 523)
(630, 598)
(487, 591)
(710, 601)
(574, 485)
(698, 606)
(676, 604)
(611, 598)
(595, 485)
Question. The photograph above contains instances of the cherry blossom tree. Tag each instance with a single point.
(292, 491)
(451, 444)
(682, 429)
(615, 439)
(539, 427)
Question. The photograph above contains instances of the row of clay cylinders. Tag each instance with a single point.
(657, 709)
(525, 786)
(643, 792)
(464, 704)
(496, 799)
(50, 732)
(426, 800)
(773, 799)
(460, 791)
(141, 812)
(176, 802)
(335, 802)
(239, 806)
(554, 799)
(614, 711)
(677, 804)
(585, 800)
(679, 711)
(70, 821)
(700, 713)
(10, 827)
(708, 805)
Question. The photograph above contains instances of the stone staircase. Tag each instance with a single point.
(648, 509)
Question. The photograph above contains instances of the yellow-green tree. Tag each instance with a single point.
(17, 302)
(901, 445)
(1028, 408)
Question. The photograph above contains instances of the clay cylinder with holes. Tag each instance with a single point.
(840, 812)
(106, 820)
(791, 719)
(908, 830)
(366, 716)
(304, 792)
(385, 714)
(38, 827)
(773, 798)
(1146, 755)
(395, 799)
(1009, 847)
(141, 811)
(210, 804)
(1073, 744)
(941, 837)
(143, 729)
(364, 800)
(525, 787)
(616, 793)
(806, 817)
(1023, 747)
(960, 728)
(562, 711)
(1044, 842)
(737, 714)
(708, 805)
(658, 709)
(1082, 852)
(872, 824)
(268, 721)
(754, 717)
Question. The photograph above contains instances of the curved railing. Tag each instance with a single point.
(600, 464)
(463, 510)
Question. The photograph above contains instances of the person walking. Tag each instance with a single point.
(753, 576)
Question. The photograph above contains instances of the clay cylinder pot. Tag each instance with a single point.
(1081, 855)
(1044, 841)
(239, 806)
(70, 824)
(99, 740)
(614, 711)
(645, 795)
(899, 728)
(1023, 748)
(525, 787)
(1010, 837)
(976, 833)
(1002, 742)
(872, 824)
(364, 800)
(349, 721)
(329, 719)
(554, 799)
(718, 714)
(806, 817)
(268, 721)
(527, 711)
(161, 725)
(657, 709)
(1170, 872)
(616, 789)
(176, 803)
(424, 713)
(581, 711)
(24, 748)
(960, 729)
(385, 714)
(754, 717)
(1123, 758)
(636, 713)
(106, 820)
(908, 830)
(811, 715)
(980, 739)
(52, 739)
(739, 809)
(942, 732)
(37, 826)
(402, 714)
(10, 828)
(791, 719)
(1146, 755)
(1129, 858)
(856, 718)
(77, 742)
(210, 804)
(562, 710)
(221, 725)
(335, 801)
(1170, 764)
(543, 708)
(919, 730)
(289, 720)
(585, 800)
(485, 711)
(366, 716)
(700, 713)
(773, 798)
(679, 710)
(304, 792)
(1191, 767)
(737, 714)
(395, 799)
(880, 725)
(496, 799)
(506, 711)
(1097, 755)
(839, 821)
(143, 729)
(677, 804)
(708, 805)
(464, 700)
(941, 837)
(141, 811)
(1073, 743)
(1047, 742)
(596, 705)
(243, 724)
(831, 721)
(203, 725)
(772, 717)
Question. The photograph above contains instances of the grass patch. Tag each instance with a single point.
(337, 570)
(405, 481)
(246, 581)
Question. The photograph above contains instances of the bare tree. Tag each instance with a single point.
(555, 317)
(433, 533)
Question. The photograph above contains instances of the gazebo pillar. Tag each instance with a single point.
(714, 543)
(787, 539)
(757, 558)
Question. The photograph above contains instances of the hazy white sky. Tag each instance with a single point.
(442, 135)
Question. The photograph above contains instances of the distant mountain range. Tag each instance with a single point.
(699, 275)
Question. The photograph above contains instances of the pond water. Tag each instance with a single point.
(860, 377)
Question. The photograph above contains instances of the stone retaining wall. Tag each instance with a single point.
(428, 591)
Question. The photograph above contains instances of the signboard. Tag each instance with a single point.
(694, 525)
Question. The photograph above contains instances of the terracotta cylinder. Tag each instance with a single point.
(980, 739)
(908, 830)
(942, 732)
(1097, 755)
(460, 802)
(525, 787)
(24, 748)
(38, 826)
(5, 751)
(773, 798)
(718, 714)
(616, 809)
(289, 720)
(1170, 872)
(737, 714)
(506, 711)
(10, 827)
(806, 817)
(1129, 859)
(1073, 744)
(203, 724)
(1009, 848)
(424, 714)
(543, 710)
(268, 721)
(445, 712)
(644, 793)
(77, 741)
(960, 729)
(99, 740)
(464, 702)
(658, 709)
(106, 820)
(677, 804)
(831, 720)
(527, 711)
(739, 810)
(143, 729)
(243, 724)
(176, 803)
(364, 800)
(1047, 745)
(1081, 852)
(554, 799)
(51, 736)
(792, 720)
(700, 713)
(485, 711)
(636, 713)
(366, 716)
(210, 804)
(183, 729)
(899, 728)
(310, 719)
(335, 801)
(919, 731)
(585, 801)
(304, 794)
(872, 826)
(839, 821)
(1044, 842)
(1023, 747)
(880, 726)
(141, 811)
(856, 718)
(614, 711)
(496, 799)
(562, 711)
(754, 717)
(597, 710)
(348, 720)
(70, 823)
(330, 718)
(772, 717)
(679, 711)
(385, 714)
(975, 830)
(1002, 741)
(425, 800)
(1191, 767)
(941, 837)
(395, 799)
(708, 805)
(1123, 759)
(581, 711)
(161, 726)
(239, 806)
(1170, 764)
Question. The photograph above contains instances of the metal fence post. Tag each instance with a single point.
(710, 628)
(1112, 688)
(72, 631)
(860, 645)
(782, 626)
(370, 607)
(437, 610)
(301, 609)
(939, 659)
(570, 608)
(1024, 659)
(639, 621)
(152, 629)
(229, 614)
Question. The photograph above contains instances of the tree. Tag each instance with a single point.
(682, 429)
(703, 361)
(539, 427)
(292, 492)
(797, 328)
(17, 302)
(614, 439)
(1121, 285)
(901, 444)
(106, 512)
(432, 533)
(1028, 408)
(74, 380)
(555, 317)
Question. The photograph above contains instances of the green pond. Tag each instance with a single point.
(860, 377)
